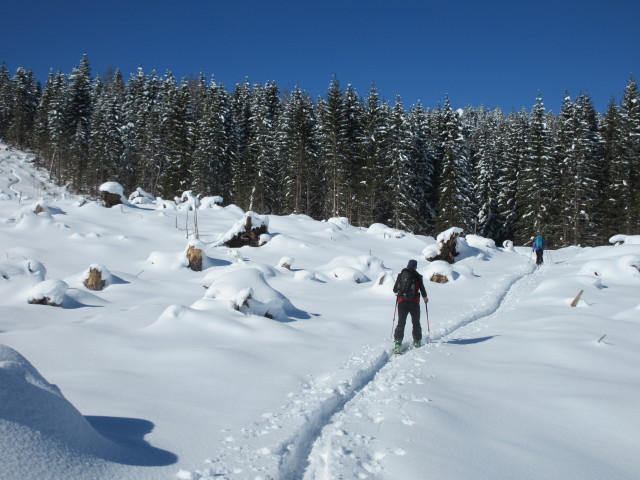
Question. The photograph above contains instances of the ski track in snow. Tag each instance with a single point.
(305, 425)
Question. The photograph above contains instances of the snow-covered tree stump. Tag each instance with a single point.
(94, 280)
(194, 255)
(49, 292)
(447, 242)
(249, 232)
(111, 194)
(437, 278)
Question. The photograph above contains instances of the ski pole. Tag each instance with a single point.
(426, 309)
(395, 308)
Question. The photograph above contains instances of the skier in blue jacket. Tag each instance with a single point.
(538, 246)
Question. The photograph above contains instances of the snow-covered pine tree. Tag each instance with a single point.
(268, 180)
(533, 194)
(5, 101)
(177, 123)
(515, 144)
(616, 186)
(582, 166)
(212, 157)
(242, 171)
(332, 142)
(353, 167)
(57, 126)
(488, 151)
(297, 147)
(404, 200)
(24, 101)
(630, 109)
(105, 141)
(376, 169)
(79, 122)
(422, 159)
(454, 203)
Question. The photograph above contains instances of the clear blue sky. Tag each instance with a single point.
(494, 53)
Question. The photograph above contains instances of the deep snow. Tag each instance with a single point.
(170, 373)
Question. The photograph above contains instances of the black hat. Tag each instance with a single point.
(412, 264)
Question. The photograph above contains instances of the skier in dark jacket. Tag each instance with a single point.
(538, 246)
(409, 304)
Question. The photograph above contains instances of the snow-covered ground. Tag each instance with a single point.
(249, 369)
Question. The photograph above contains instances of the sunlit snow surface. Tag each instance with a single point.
(249, 369)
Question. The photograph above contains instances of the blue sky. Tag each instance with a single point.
(493, 53)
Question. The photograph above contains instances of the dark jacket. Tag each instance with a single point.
(420, 290)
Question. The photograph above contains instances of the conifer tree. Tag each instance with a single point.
(616, 186)
(297, 147)
(176, 126)
(515, 133)
(24, 102)
(454, 203)
(5, 101)
(533, 195)
(333, 148)
(376, 169)
(630, 159)
(422, 160)
(212, 157)
(79, 121)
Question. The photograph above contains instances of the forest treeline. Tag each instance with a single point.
(572, 176)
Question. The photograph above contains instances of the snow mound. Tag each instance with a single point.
(440, 267)
(32, 408)
(624, 267)
(359, 269)
(246, 290)
(54, 290)
(210, 202)
(141, 197)
(112, 187)
(481, 243)
(625, 239)
(381, 230)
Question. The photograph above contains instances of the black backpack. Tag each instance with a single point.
(406, 285)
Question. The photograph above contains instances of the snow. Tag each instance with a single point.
(248, 370)
(112, 187)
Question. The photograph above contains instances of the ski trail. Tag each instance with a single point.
(296, 450)
(302, 428)
(388, 381)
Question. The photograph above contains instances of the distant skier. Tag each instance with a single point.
(538, 246)
(408, 288)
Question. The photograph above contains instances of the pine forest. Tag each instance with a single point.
(572, 176)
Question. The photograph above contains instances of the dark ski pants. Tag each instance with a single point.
(404, 309)
(539, 256)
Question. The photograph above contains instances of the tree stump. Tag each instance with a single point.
(43, 301)
(448, 250)
(250, 236)
(437, 278)
(94, 281)
(111, 199)
(194, 255)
